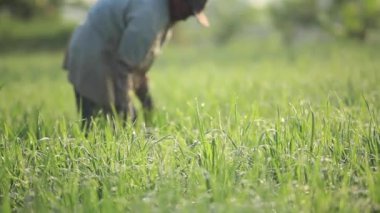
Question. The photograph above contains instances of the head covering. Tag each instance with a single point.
(198, 7)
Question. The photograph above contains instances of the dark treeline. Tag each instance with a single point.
(354, 19)
(344, 18)
(27, 9)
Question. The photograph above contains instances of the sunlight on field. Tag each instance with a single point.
(236, 129)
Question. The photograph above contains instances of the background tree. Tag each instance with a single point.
(26, 9)
(231, 18)
(290, 15)
(352, 18)
(347, 18)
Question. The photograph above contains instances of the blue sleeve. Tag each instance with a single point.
(136, 41)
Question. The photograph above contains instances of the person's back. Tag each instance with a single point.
(111, 17)
(107, 16)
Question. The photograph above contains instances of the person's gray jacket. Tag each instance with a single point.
(118, 37)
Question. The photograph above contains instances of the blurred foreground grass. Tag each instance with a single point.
(237, 129)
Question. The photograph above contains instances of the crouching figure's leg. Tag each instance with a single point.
(86, 108)
(141, 89)
(123, 105)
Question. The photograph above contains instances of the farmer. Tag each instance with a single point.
(115, 47)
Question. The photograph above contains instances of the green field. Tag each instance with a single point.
(240, 128)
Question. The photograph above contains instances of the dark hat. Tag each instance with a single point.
(198, 6)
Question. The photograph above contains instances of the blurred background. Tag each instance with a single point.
(256, 48)
(47, 24)
(275, 107)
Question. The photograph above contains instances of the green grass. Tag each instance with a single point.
(237, 129)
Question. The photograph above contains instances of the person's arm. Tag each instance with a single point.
(136, 42)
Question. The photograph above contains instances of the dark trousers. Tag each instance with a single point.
(86, 108)
(123, 106)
